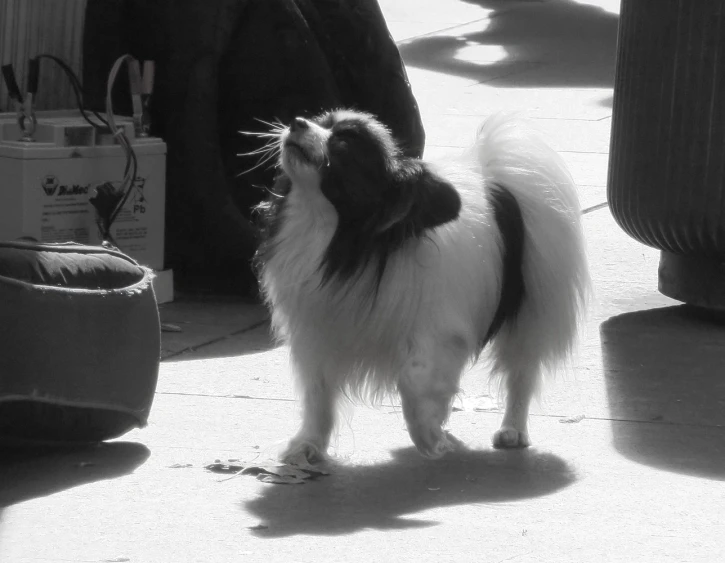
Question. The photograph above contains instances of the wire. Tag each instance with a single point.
(120, 135)
(11, 83)
(77, 90)
(109, 201)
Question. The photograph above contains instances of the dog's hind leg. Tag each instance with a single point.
(520, 352)
(427, 385)
(520, 388)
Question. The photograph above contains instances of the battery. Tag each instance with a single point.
(46, 184)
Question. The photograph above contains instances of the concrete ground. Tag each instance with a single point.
(629, 457)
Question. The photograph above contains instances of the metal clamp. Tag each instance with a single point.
(27, 120)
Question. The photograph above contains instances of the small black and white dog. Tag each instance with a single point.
(386, 273)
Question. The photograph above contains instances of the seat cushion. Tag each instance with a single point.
(79, 343)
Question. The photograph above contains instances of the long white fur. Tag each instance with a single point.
(437, 297)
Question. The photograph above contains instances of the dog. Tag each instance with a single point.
(391, 274)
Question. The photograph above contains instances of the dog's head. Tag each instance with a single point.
(382, 198)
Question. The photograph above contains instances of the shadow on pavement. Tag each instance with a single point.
(665, 369)
(607, 102)
(580, 39)
(27, 474)
(382, 496)
(196, 343)
(214, 326)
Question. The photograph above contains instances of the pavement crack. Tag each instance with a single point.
(402, 42)
(595, 207)
(227, 396)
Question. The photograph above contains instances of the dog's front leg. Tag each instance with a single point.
(318, 420)
(427, 385)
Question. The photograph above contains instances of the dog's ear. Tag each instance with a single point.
(418, 199)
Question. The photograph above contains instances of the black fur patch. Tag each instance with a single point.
(381, 202)
(511, 225)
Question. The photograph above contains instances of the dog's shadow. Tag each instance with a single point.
(382, 496)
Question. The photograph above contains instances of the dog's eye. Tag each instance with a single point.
(326, 120)
(336, 145)
(345, 133)
(344, 140)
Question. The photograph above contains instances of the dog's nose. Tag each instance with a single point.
(299, 124)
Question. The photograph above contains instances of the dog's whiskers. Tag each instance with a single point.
(272, 144)
(261, 151)
(260, 134)
(268, 156)
(276, 125)
(271, 150)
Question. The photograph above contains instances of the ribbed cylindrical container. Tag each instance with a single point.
(666, 184)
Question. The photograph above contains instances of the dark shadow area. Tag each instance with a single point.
(607, 102)
(665, 370)
(381, 496)
(202, 327)
(27, 473)
(202, 346)
(577, 41)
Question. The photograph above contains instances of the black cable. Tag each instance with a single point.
(123, 201)
(131, 159)
(77, 90)
(77, 87)
(12, 83)
(33, 76)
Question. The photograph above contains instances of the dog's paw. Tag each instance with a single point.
(508, 437)
(303, 452)
(437, 445)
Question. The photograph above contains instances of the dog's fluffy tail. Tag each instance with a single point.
(556, 280)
